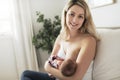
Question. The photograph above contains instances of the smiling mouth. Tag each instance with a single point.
(73, 25)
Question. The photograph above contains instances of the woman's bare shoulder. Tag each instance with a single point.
(58, 39)
(88, 39)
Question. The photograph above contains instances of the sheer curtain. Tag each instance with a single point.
(23, 32)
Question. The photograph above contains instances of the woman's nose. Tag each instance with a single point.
(75, 20)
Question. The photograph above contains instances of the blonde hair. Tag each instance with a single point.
(88, 25)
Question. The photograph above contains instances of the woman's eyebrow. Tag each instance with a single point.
(75, 13)
(72, 12)
(82, 14)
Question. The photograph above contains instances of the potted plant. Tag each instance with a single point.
(48, 33)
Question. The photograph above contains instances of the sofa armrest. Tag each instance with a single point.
(106, 63)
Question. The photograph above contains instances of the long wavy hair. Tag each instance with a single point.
(88, 24)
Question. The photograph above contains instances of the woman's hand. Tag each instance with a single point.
(55, 72)
(47, 66)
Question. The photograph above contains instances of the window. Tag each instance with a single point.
(5, 16)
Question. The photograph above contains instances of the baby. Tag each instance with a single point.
(67, 67)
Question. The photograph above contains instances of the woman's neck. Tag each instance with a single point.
(74, 34)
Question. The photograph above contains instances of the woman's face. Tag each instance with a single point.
(75, 17)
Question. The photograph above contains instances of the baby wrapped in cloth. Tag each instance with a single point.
(66, 66)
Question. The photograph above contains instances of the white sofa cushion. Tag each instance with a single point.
(88, 74)
(107, 60)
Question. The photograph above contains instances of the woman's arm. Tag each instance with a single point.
(85, 56)
(55, 72)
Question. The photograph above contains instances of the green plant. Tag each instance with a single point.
(48, 33)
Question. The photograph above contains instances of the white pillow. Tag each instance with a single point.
(107, 60)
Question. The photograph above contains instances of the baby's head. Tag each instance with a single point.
(68, 67)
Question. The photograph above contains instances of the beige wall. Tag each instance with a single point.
(107, 16)
(47, 7)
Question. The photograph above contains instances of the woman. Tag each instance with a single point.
(77, 39)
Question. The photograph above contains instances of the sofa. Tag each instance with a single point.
(106, 65)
